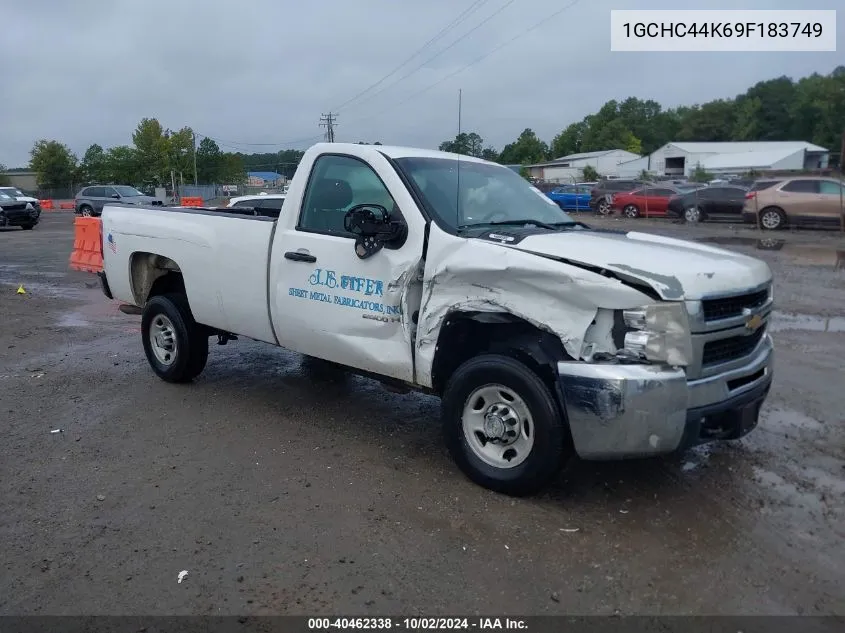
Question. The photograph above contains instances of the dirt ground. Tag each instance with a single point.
(281, 491)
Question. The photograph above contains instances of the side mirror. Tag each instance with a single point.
(116, 196)
(374, 228)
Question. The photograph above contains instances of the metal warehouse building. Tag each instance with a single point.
(569, 168)
(681, 159)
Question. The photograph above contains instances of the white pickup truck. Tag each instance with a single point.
(544, 338)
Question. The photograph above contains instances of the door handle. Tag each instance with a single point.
(296, 256)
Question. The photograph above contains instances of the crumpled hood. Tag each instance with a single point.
(676, 269)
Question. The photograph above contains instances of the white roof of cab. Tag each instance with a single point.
(394, 151)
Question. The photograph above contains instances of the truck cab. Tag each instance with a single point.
(546, 339)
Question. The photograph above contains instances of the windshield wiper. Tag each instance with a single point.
(542, 225)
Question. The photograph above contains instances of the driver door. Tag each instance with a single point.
(328, 302)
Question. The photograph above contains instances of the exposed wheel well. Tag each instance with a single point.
(467, 334)
(153, 275)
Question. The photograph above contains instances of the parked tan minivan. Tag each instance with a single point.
(795, 200)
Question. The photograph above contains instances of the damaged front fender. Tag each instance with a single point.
(466, 275)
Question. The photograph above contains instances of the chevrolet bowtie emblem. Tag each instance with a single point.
(754, 322)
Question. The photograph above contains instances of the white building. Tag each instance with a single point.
(569, 168)
(681, 159)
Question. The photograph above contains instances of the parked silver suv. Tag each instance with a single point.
(90, 201)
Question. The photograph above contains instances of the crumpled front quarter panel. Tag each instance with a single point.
(474, 275)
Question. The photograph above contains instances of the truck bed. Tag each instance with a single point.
(221, 256)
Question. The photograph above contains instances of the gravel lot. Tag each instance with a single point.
(282, 491)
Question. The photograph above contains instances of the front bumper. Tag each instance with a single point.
(620, 411)
(19, 217)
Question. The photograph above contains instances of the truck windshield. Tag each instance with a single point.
(464, 194)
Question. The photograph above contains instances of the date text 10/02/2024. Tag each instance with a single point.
(329, 279)
(418, 623)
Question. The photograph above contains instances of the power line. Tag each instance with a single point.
(455, 22)
(472, 63)
(436, 55)
(328, 121)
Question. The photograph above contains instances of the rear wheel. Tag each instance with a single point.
(502, 425)
(772, 219)
(175, 345)
(86, 211)
(693, 214)
(603, 207)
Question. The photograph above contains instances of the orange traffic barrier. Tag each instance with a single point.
(46, 204)
(66, 205)
(87, 254)
(194, 201)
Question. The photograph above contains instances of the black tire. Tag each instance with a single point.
(768, 215)
(551, 447)
(191, 338)
(89, 209)
(689, 213)
(631, 211)
(603, 207)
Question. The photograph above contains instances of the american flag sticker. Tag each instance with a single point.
(112, 243)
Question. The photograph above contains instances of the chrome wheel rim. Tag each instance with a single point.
(498, 426)
(770, 220)
(163, 339)
(604, 207)
(86, 212)
(631, 211)
(692, 214)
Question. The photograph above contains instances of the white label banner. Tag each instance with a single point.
(723, 30)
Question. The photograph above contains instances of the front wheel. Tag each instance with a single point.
(603, 207)
(175, 345)
(631, 211)
(502, 425)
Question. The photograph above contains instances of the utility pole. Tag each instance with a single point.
(328, 121)
(194, 137)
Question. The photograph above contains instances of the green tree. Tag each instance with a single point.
(528, 148)
(151, 146)
(699, 174)
(489, 153)
(55, 166)
(232, 170)
(569, 141)
(179, 148)
(121, 166)
(589, 174)
(209, 161)
(93, 168)
(4, 179)
(466, 143)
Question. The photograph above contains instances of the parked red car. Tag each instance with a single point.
(648, 201)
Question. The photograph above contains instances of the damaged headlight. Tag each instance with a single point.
(658, 333)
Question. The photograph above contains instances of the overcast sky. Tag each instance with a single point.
(262, 71)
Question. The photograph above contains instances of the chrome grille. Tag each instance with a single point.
(727, 307)
(732, 348)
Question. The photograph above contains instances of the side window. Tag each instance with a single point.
(95, 192)
(831, 188)
(245, 203)
(109, 192)
(337, 184)
(662, 193)
(801, 186)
